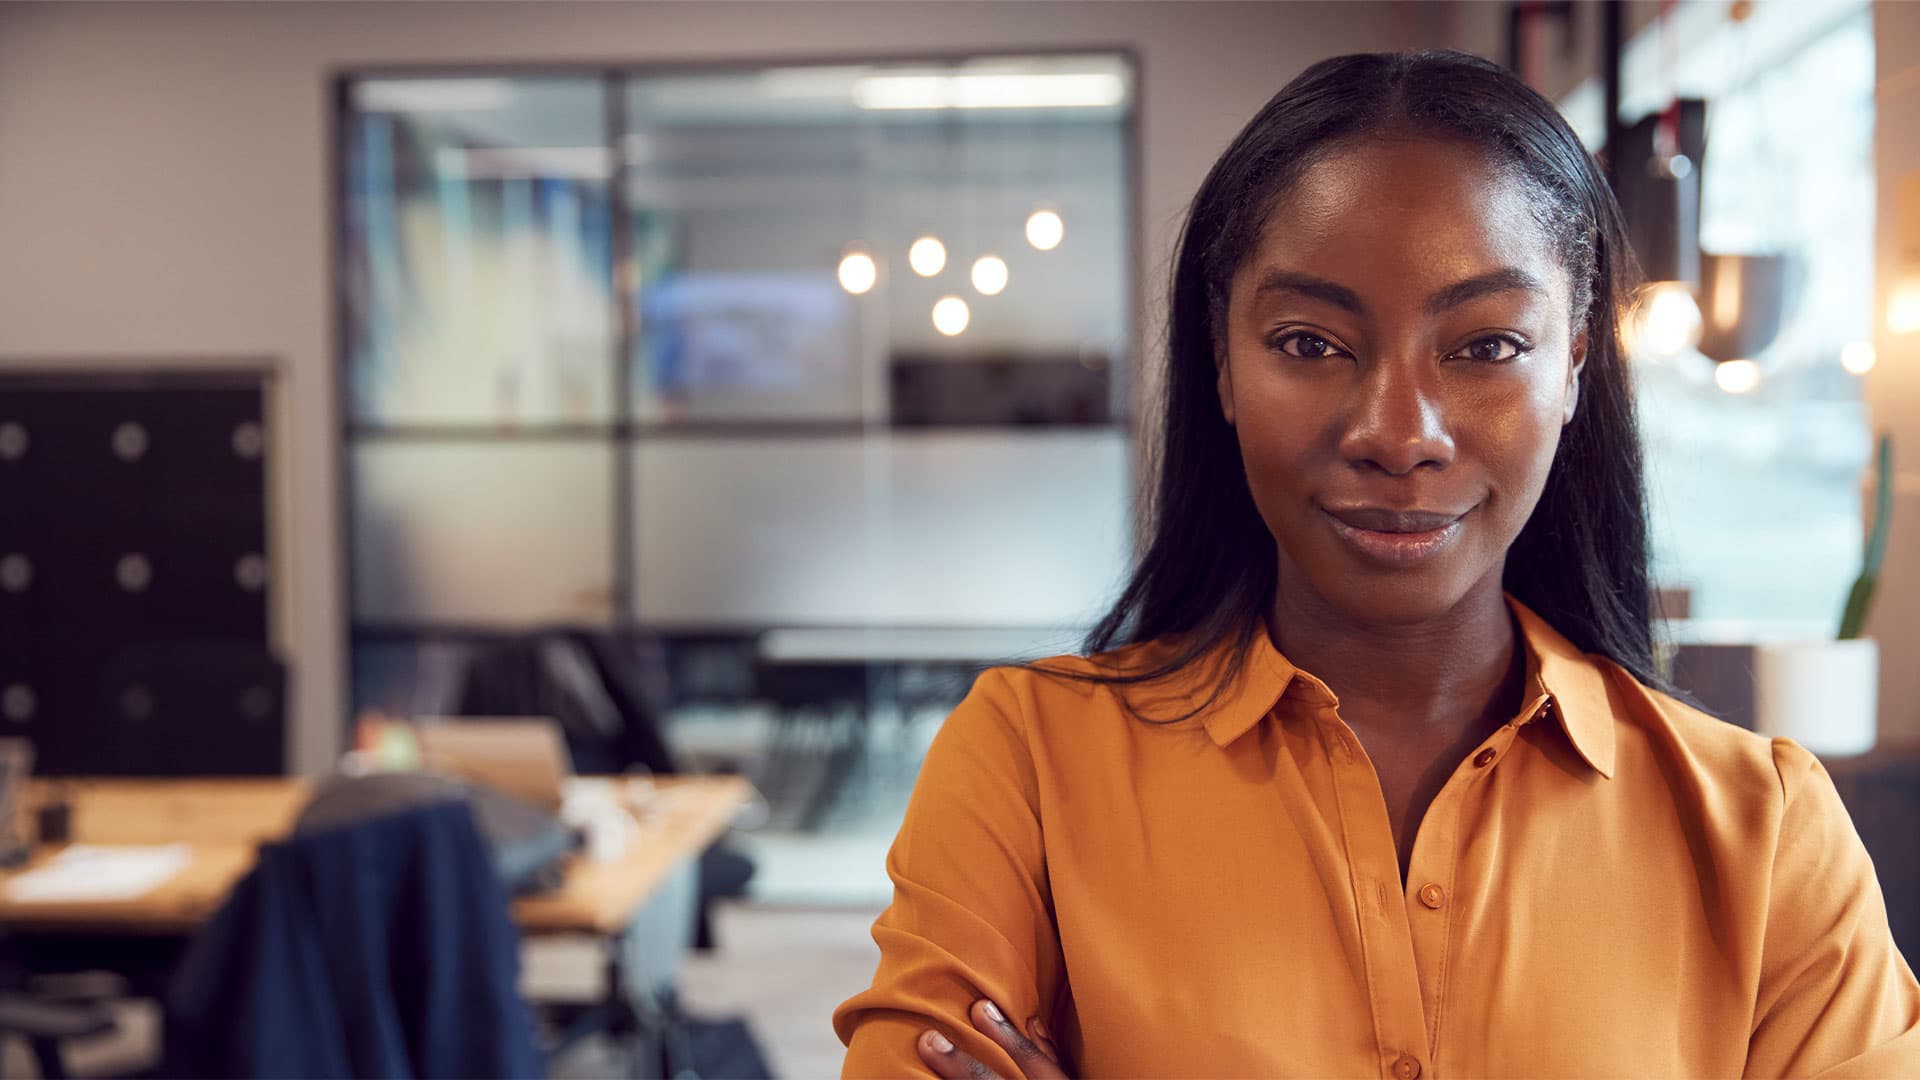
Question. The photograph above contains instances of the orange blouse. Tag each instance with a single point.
(1612, 884)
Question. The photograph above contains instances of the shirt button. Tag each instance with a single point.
(1407, 1067)
(1481, 759)
(1433, 896)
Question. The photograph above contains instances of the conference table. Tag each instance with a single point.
(222, 822)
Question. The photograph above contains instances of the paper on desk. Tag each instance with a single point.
(90, 872)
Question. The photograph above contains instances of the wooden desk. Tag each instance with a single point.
(225, 820)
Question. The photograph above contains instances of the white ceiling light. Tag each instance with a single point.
(858, 272)
(1737, 376)
(525, 162)
(808, 83)
(927, 256)
(989, 274)
(1858, 357)
(950, 315)
(1666, 321)
(433, 95)
(1045, 230)
(1903, 305)
(1065, 90)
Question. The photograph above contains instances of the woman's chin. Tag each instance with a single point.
(1407, 596)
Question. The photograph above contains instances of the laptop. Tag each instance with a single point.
(523, 756)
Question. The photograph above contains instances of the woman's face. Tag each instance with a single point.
(1398, 365)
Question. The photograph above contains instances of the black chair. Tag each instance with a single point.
(587, 683)
(47, 1024)
(822, 711)
(45, 1020)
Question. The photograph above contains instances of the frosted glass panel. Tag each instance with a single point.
(987, 528)
(511, 534)
(478, 258)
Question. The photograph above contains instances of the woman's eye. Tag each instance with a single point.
(1306, 346)
(1492, 350)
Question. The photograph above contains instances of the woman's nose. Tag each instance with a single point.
(1396, 420)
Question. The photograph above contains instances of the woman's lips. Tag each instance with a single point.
(1393, 537)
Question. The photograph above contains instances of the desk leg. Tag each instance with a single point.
(643, 967)
(626, 1025)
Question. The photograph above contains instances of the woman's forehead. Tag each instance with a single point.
(1406, 212)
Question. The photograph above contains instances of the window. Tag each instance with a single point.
(807, 384)
(1756, 495)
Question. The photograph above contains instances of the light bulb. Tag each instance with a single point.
(950, 315)
(1858, 357)
(927, 256)
(1667, 321)
(858, 272)
(989, 274)
(1737, 376)
(1903, 305)
(1045, 230)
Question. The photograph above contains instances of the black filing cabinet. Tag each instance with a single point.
(134, 575)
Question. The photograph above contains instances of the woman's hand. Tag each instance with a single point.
(1038, 1057)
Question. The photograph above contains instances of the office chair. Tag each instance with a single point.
(583, 680)
(47, 1024)
(377, 947)
(45, 1021)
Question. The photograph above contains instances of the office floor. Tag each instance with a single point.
(786, 969)
(783, 969)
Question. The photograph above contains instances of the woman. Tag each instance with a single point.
(1371, 773)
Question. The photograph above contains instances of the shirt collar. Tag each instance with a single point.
(1571, 680)
(1575, 683)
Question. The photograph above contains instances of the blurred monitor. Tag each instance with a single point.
(1001, 391)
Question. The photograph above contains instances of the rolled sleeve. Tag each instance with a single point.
(971, 915)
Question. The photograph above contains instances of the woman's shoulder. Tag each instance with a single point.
(1085, 680)
(1079, 691)
(1687, 739)
(1067, 678)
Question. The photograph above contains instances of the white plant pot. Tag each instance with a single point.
(1823, 695)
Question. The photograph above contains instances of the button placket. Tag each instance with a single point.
(1436, 851)
(1392, 971)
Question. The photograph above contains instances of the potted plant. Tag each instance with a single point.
(1824, 695)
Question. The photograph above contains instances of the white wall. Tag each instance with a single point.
(163, 176)
(1893, 387)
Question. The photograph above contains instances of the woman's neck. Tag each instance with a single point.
(1436, 677)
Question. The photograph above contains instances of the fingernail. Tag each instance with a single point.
(939, 1043)
(1040, 1029)
(994, 1011)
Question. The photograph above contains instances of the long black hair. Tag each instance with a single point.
(1581, 560)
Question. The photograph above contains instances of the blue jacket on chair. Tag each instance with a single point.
(381, 949)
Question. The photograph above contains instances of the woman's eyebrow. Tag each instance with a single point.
(1505, 279)
(1311, 287)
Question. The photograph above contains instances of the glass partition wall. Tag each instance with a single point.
(801, 389)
